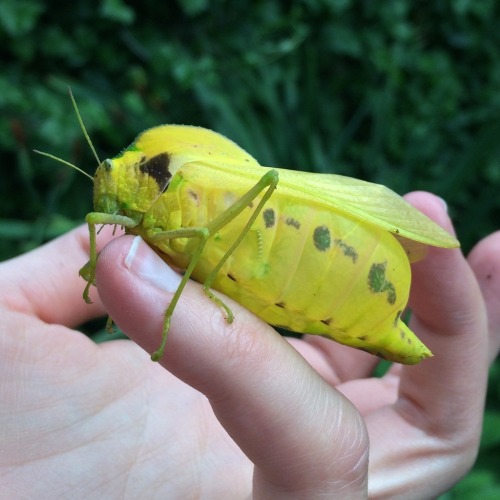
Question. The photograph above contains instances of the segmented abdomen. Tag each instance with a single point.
(307, 269)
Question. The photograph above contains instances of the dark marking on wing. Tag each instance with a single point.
(269, 217)
(347, 250)
(378, 283)
(290, 221)
(321, 238)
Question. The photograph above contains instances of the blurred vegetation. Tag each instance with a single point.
(403, 93)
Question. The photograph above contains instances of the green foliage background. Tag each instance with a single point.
(399, 92)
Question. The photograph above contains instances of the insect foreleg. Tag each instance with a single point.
(87, 272)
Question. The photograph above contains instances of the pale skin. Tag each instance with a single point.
(235, 410)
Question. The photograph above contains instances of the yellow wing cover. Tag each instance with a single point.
(372, 203)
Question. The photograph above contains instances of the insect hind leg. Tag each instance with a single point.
(220, 303)
(202, 234)
(268, 182)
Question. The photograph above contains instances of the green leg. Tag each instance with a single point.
(202, 234)
(87, 272)
(269, 181)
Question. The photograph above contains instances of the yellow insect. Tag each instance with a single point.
(314, 253)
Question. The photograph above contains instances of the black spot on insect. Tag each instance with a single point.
(289, 221)
(321, 238)
(396, 321)
(378, 283)
(408, 340)
(347, 250)
(327, 321)
(269, 217)
(194, 196)
(363, 338)
(231, 277)
(402, 334)
(157, 168)
(280, 304)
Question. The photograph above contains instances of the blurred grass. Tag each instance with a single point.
(402, 93)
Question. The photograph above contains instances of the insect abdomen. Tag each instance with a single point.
(310, 270)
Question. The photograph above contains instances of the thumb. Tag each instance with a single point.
(303, 436)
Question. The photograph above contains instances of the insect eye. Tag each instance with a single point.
(107, 164)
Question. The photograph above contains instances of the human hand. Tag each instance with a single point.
(425, 421)
(105, 419)
(80, 419)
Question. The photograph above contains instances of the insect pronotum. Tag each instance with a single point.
(314, 253)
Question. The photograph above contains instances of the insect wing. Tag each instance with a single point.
(185, 144)
(372, 203)
(365, 201)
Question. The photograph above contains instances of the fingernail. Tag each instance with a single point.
(443, 202)
(145, 264)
